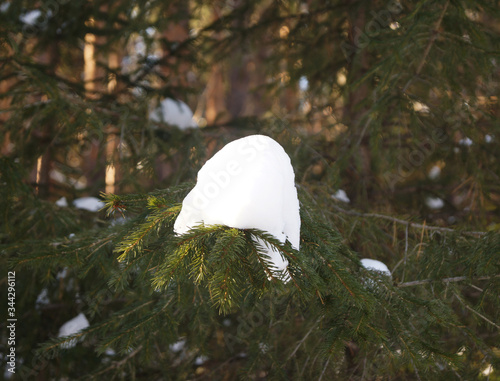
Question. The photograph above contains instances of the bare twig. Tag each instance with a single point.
(445, 280)
(434, 34)
(324, 369)
(118, 364)
(407, 223)
(303, 339)
(475, 312)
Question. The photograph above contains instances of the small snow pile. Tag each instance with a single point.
(374, 265)
(30, 17)
(488, 138)
(62, 202)
(303, 83)
(465, 142)
(200, 360)
(249, 183)
(175, 113)
(62, 274)
(434, 172)
(72, 327)
(42, 299)
(434, 202)
(340, 195)
(92, 204)
(177, 346)
(4, 7)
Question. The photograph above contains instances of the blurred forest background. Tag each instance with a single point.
(389, 111)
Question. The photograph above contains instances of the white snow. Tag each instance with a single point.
(173, 112)
(140, 46)
(4, 7)
(488, 138)
(488, 370)
(42, 299)
(200, 360)
(264, 348)
(177, 346)
(72, 327)
(92, 204)
(465, 142)
(303, 83)
(374, 265)
(30, 17)
(434, 172)
(434, 202)
(62, 202)
(340, 195)
(62, 274)
(249, 183)
(151, 31)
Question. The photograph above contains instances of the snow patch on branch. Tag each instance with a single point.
(248, 184)
(92, 204)
(72, 327)
(374, 265)
(175, 113)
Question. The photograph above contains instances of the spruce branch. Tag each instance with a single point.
(432, 39)
(445, 280)
(408, 223)
(118, 364)
(466, 305)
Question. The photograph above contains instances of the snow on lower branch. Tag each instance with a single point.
(72, 327)
(248, 184)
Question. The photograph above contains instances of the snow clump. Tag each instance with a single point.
(340, 195)
(434, 202)
(248, 184)
(374, 265)
(92, 204)
(72, 327)
(175, 113)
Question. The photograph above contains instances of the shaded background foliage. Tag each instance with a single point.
(371, 97)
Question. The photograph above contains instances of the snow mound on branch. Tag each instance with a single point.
(374, 265)
(434, 202)
(249, 183)
(62, 202)
(42, 299)
(340, 195)
(434, 172)
(92, 204)
(173, 112)
(466, 142)
(177, 346)
(30, 17)
(72, 327)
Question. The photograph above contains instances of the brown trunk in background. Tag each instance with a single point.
(91, 168)
(216, 95)
(113, 167)
(49, 58)
(176, 69)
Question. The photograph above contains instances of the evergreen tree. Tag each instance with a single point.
(395, 102)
